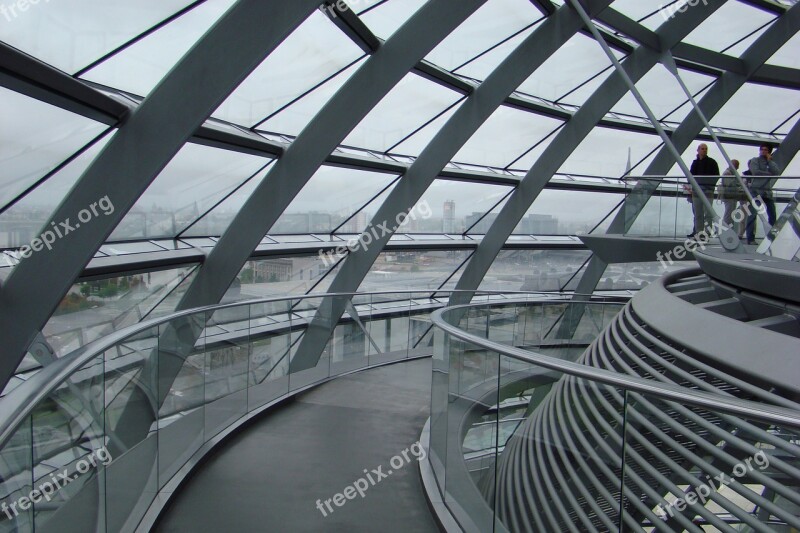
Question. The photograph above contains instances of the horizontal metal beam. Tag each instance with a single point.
(351, 25)
(111, 266)
(29, 76)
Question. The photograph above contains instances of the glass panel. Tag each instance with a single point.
(408, 106)
(348, 347)
(759, 108)
(455, 206)
(295, 117)
(330, 197)
(566, 212)
(605, 152)
(787, 55)
(728, 24)
(420, 327)
(71, 35)
(138, 68)
(217, 220)
(451, 282)
(308, 369)
(35, 138)
(495, 21)
(270, 336)
(127, 248)
(637, 9)
(792, 170)
(194, 181)
(312, 53)
(663, 93)
(784, 237)
(69, 436)
(440, 401)
(578, 60)
(506, 135)
(168, 304)
(386, 18)
(227, 356)
(279, 276)
(93, 309)
(474, 394)
(483, 65)
(21, 222)
(131, 394)
(182, 390)
(412, 270)
(416, 143)
(16, 472)
(532, 270)
(668, 212)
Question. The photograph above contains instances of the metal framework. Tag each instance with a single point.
(141, 148)
(150, 133)
(570, 137)
(717, 96)
(478, 107)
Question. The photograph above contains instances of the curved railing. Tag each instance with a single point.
(609, 443)
(99, 439)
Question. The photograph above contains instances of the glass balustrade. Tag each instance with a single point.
(91, 441)
(519, 443)
(662, 206)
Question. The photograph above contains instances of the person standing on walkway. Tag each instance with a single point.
(730, 193)
(706, 172)
(764, 172)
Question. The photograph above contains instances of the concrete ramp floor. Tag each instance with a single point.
(270, 476)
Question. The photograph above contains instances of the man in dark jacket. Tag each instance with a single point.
(706, 171)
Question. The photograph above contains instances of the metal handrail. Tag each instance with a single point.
(664, 391)
(681, 180)
(21, 401)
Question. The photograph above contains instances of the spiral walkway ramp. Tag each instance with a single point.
(589, 451)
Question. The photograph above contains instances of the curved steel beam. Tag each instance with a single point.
(148, 139)
(379, 74)
(717, 96)
(788, 148)
(473, 112)
(568, 139)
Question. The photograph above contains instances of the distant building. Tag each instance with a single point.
(355, 224)
(319, 222)
(483, 225)
(449, 217)
(539, 225)
(273, 270)
(291, 223)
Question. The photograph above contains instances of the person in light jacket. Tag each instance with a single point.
(764, 173)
